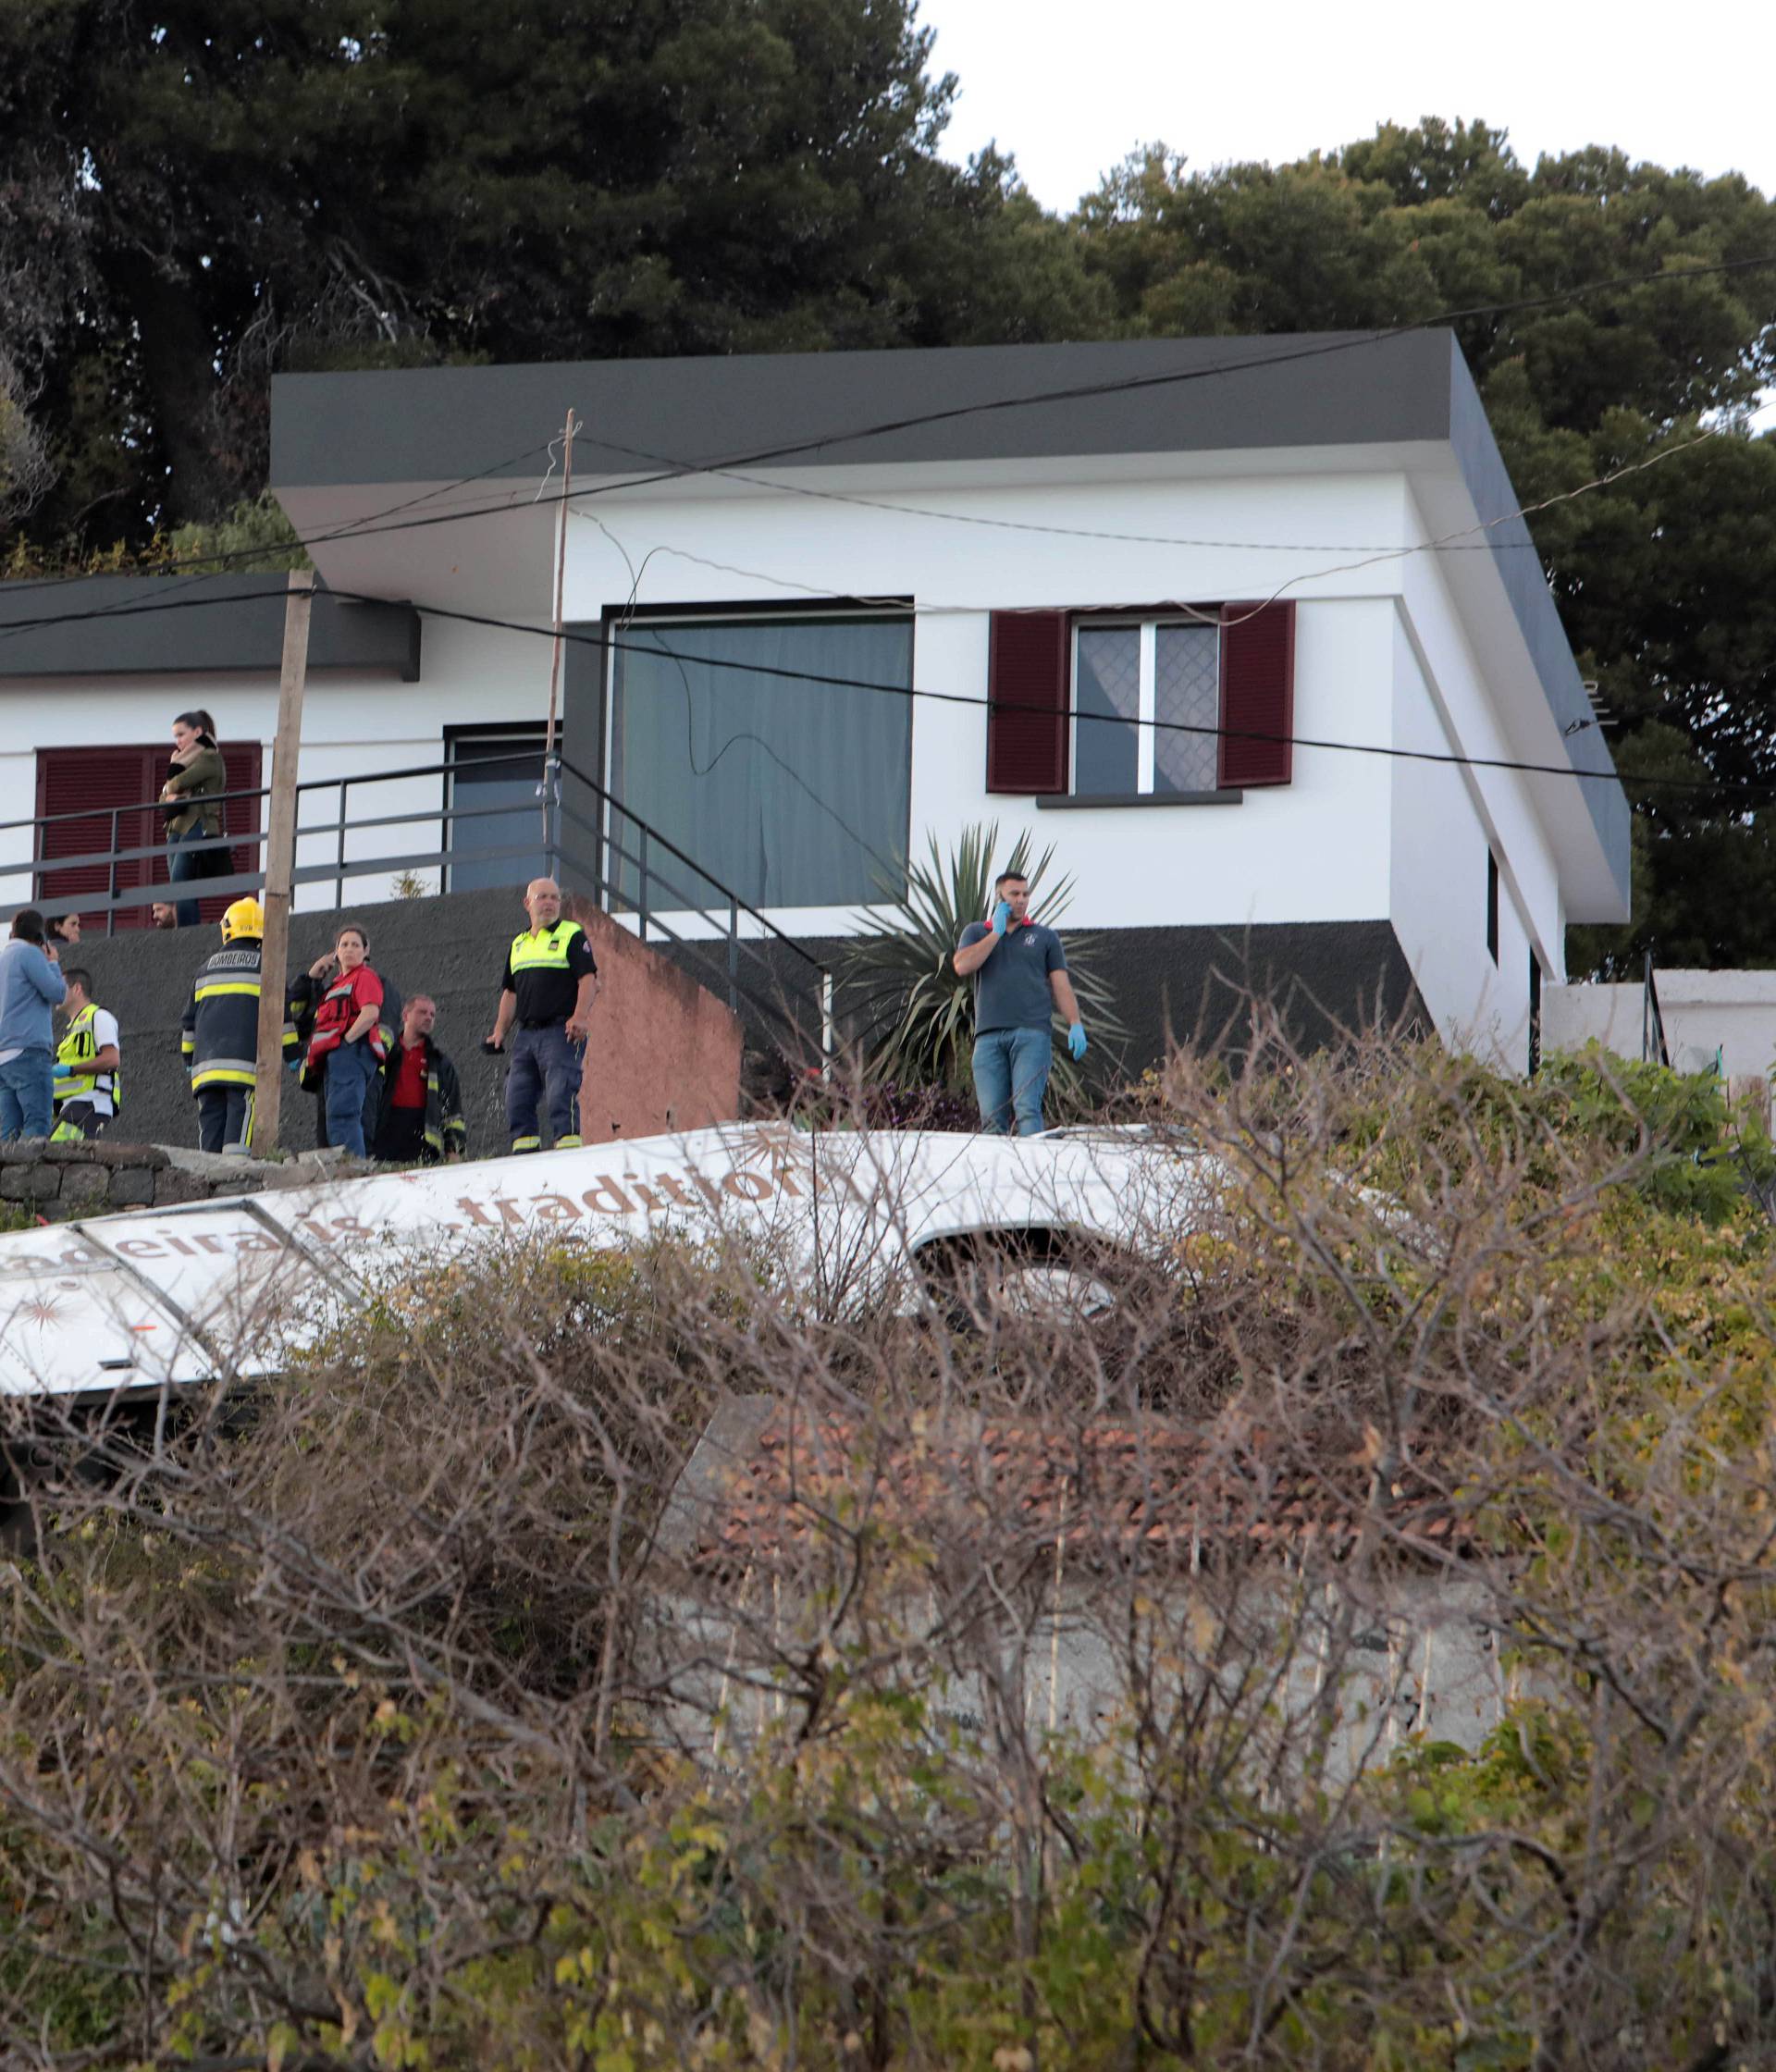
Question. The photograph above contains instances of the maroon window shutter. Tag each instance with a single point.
(107, 792)
(92, 784)
(1257, 694)
(1027, 702)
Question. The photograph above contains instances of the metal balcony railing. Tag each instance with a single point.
(589, 839)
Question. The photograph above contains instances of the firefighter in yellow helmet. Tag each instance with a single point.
(221, 1039)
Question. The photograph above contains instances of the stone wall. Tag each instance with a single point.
(62, 1182)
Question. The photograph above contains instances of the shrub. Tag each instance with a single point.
(389, 1726)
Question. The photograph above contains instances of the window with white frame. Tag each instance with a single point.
(1146, 708)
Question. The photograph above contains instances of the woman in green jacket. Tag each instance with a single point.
(197, 774)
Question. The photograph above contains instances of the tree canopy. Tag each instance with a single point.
(1666, 579)
(187, 205)
(192, 201)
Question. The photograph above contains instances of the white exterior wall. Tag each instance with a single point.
(1313, 850)
(1442, 833)
(351, 725)
(1382, 656)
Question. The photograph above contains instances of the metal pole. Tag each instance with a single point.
(568, 431)
(281, 864)
(641, 886)
(111, 880)
(733, 954)
(552, 816)
(339, 881)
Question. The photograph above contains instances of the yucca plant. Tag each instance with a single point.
(917, 1017)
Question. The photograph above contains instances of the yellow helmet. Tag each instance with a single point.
(246, 917)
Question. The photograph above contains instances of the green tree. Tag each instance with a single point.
(198, 198)
(1666, 581)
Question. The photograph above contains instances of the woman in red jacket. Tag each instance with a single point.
(346, 1051)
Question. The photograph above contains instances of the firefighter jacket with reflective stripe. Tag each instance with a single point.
(220, 1036)
(444, 1128)
(339, 1005)
(544, 970)
(76, 1049)
(307, 991)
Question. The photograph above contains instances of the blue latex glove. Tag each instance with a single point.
(61, 1071)
(1075, 1041)
(1001, 917)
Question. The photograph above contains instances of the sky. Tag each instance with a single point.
(1069, 87)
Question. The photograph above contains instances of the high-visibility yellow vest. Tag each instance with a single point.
(78, 1048)
(544, 952)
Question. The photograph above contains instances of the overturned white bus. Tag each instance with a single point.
(152, 1299)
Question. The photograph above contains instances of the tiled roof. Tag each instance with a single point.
(1115, 1491)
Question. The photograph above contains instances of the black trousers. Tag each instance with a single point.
(75, 1121)
(224, 1117)
(402, 1139)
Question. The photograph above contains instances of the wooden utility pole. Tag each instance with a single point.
(568, 431)
(280, 863)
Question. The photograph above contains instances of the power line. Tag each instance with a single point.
(671, 470)
(201, 567)
(606, 644)
(1444, 542)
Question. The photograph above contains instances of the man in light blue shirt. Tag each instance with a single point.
(1019, 971)
(30, 988)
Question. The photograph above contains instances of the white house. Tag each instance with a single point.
(1244, 628)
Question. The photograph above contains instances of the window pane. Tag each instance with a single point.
(1106, 690)
(792, 789)
(478, 782)
(1186, 693)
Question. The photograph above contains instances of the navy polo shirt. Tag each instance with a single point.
(1011, 988)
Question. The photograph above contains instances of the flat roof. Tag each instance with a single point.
(167, 626)
(820, 409)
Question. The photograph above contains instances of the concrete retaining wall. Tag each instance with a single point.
(664, 1055)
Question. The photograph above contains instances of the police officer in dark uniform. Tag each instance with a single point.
(550, 983)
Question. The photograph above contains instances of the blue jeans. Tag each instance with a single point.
(349, 1070)
(545, 1065)
(182, 866)
(25, 1104)
(1010, 1078)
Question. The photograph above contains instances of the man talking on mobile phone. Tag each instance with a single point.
(1020, 973)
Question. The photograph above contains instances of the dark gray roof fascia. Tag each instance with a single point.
(1520, 570)
(174, 625)
(441, 423)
